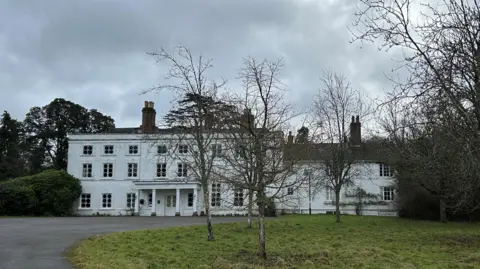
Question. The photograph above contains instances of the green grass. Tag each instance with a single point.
(292, 242)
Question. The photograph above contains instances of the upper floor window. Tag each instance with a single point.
(182, 149)
(161, 169)
(216, 150)
(88, 150)
(108, 170)
(108, 149)
(386, 170)
(87, 170)
(290, 191)
(162, 149)
(133, 149)
(182, 170)
(388, 193)
(132, 170)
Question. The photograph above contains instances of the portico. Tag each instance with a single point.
(155, 198)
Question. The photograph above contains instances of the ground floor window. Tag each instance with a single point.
(85, 200)
(388, 193)
(131, 200)
(216, 195)
(238, 197)
(190, 199)
(290, 191)
(329, 194)
(106, 200)
(150, 199)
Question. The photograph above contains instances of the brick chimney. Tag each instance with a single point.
(290, 138)
(355, 131)
(148, 118)
(247, 120)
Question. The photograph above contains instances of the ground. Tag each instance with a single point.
(41, 243)
(292, 242)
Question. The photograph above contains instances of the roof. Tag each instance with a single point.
(377, 151)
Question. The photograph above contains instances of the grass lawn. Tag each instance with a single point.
(292, 242)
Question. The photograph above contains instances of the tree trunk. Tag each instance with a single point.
(262, 253)
(206, 202)
(337, 206)
(250, 209)
(443, 211)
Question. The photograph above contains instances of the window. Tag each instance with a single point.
(388, 193)
(386, 170)
(161, 169)
(215, 195)
(290, 191)
(108, 149)
(150, 199)
(131, 200)
(216, 150)
(87, 150)
(182, 170)
(132, 170)
(162, 149)
(107, 170)
(106, 200)
(182, 149)
(329, 194)
(85, 200)
(240, 151)
(238, 197)
(190, 199)
(87, 170)
(133, 149)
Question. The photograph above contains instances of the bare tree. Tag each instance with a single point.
(196, 118)
(336, 101)
(257, 141)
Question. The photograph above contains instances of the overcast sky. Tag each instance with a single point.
(94, 52)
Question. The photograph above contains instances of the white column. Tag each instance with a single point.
(137, 202)
(154, 202)
(195, 197)
(177, 203)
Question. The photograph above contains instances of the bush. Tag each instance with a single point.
(54, 193)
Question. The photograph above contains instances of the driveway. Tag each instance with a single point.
(37, 243)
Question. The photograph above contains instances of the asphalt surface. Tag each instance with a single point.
(37, 243)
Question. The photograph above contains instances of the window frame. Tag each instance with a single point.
(389, 172)
(135, 170)
(216, 195)
(217, 150)
(183, 148)
(329, 193)
(290, 191)
(190, 199)
(238, 197)
(391, 193)
(163, 146)
(184, 170)
(82, 203)
(91, 170)
(108, 153)
(103, 170)
(132, 196)
(84, 151)
(133, 146)
(160, 173)
(106, 202)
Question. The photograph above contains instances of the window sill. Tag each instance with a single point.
(107, 178)
(108, 155)
(136, 154)
(86, 155)
(84, 209)
(106, 209)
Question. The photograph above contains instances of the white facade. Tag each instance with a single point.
(372, 177)
(122, 174)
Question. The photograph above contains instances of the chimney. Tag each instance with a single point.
(148, 118)
(208, 121)
(247, 120)
(355, 131)
(290, 138)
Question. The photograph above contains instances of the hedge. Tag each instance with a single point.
(49, 193)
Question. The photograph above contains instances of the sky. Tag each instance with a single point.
(93, 52)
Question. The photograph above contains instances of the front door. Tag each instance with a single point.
(170, 205)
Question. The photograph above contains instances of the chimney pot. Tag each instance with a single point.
(146, 104)
(358, 119)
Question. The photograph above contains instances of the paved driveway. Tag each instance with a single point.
(37, 243)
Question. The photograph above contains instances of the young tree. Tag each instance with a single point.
(334, 104)
(198, 116)
(257, 140)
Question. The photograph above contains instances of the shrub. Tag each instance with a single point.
(54, 193)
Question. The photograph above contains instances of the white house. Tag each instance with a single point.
(132, 171)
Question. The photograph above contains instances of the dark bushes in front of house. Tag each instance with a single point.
(49, 193)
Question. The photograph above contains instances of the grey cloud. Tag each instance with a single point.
(93, 52)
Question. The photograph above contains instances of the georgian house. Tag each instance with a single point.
(148, 171)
